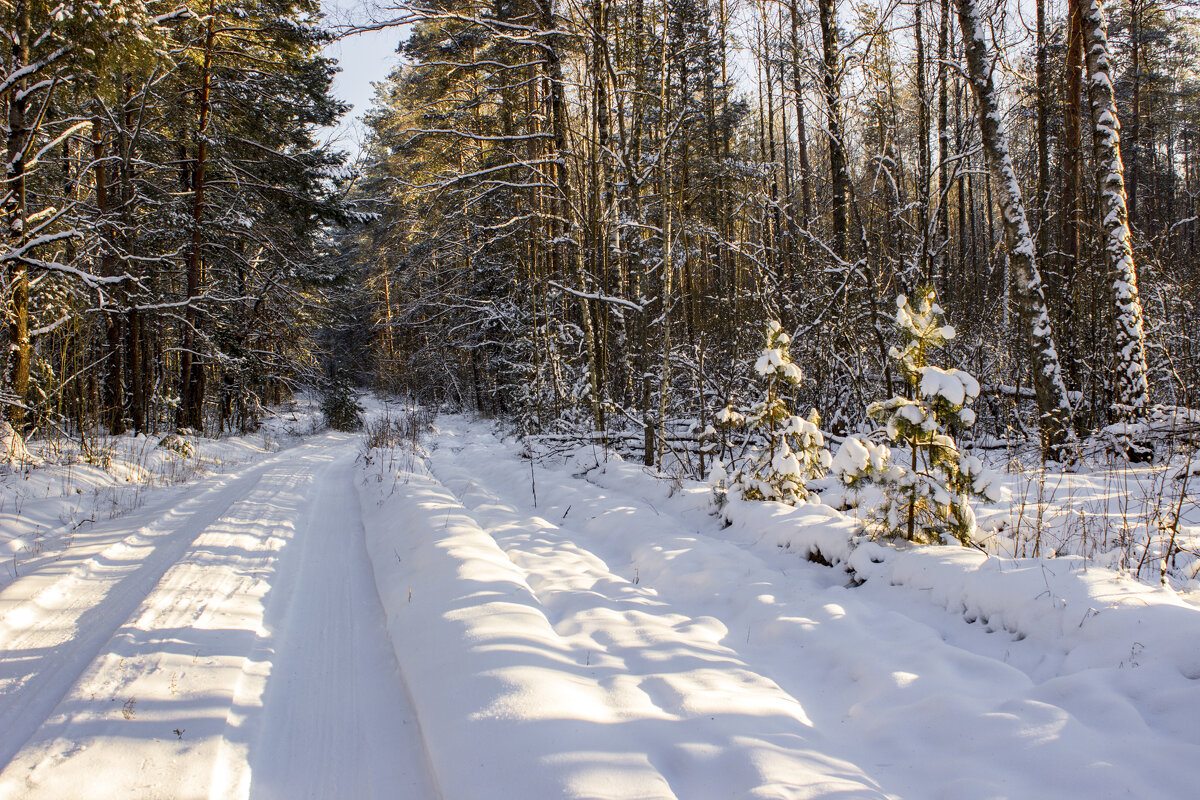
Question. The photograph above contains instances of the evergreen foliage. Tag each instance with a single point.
(575, 214)
(927, 482)
(340, 405)
(577, 225)
(790, 450)
(166, 213)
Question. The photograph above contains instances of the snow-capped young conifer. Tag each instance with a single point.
(792, 450)
(928, 488)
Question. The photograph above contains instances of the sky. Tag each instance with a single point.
(363, 58)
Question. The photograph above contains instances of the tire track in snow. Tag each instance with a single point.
(53, 624)
(145, 715)
(172, 701)
(337, 720)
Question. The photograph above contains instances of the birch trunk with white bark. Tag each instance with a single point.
(1132, 394)
(1053, 406)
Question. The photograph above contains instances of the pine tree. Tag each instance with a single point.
(793, 448)
(578, 216)
(254, 86)
(927, 498)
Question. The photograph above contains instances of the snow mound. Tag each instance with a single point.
(1096, 617)
(13, 454)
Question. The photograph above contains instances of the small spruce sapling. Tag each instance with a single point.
(794, 449)
(927, 498)
(339, 404)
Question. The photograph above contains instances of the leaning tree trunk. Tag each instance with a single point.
(1132, 393)
(1053, 406)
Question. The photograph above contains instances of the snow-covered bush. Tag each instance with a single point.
(178, 444)
(13, 454)
(927, 491)
(792, 449)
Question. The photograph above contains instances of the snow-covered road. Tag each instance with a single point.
(230, 644)
(464, 627)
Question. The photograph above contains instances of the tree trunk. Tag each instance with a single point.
(1072, 196)
(774, 243)
(923, 156)
(16, 375)
(112, 406)
(133, 323)
(837, 149)
(801, 134)
(556, 101)
(1132, 393)
(191, 379)
(1135, 111)
(1053, 406)
(942, 240)
(1043, 136)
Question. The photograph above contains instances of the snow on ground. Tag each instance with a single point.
(323, 621)
(1126, 516)
(1120, 515)
(79, 483)
(611, 641)
(224, 639)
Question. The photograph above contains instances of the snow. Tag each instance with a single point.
(225, 644)
(1189, 469)
(953, 384)
(13, 454)
(84, 483)
(730, 416)
(318, 620)
(770, 360)
(1132, 392)
(858, 455)
(851, 688)
(1022, 251)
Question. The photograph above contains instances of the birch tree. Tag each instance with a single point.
(1053, 406)
(1132, 394)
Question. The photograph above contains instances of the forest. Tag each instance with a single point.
(165, 206)
(583, 217)
(663, 399)
(588, 213)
